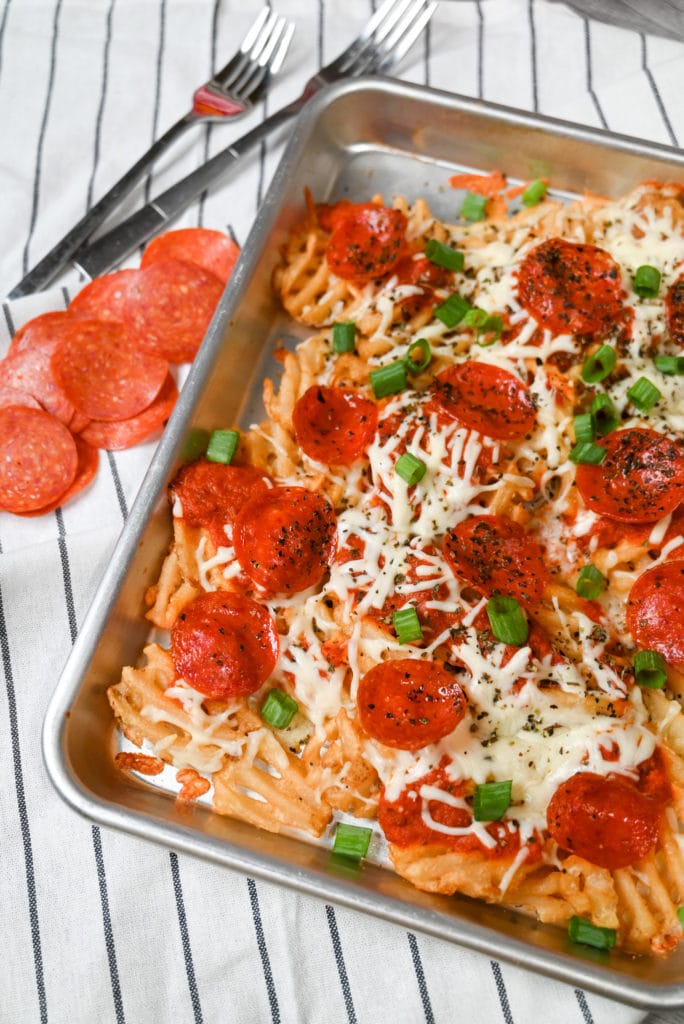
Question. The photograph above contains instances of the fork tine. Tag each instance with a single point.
(405, 35)
(256, 75)
(252, 41)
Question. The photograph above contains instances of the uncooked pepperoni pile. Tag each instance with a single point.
(98, 374)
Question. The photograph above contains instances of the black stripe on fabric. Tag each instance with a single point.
(263, 951)
(480, 51)
(157, 89)
(420, 978)
(8, 319)
(66, 575)
(24, 825)
(101, 105)
(208, 127)
(8, 4)
(584, 1006)
(185, 938)
(533, 55)
(656, 92)
(341, 967)
(501, 990)
(427, 50)
(590, 81)
(118, 487)
(107, 925)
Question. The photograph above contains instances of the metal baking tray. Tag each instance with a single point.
(352, 140)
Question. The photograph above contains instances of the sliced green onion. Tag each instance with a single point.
(352, 841)
(582, 930)
(507, 620)
(650, 670)
(444, 255)
(587, 454)
(474, 207)
(344, 336)
(644, 394)
(452, 311)
(409, 468)
(475, 317)
(590, 582)
(407, 625)
(223, 445)
(599, 365)
(647, 282)
(669, 364)
(389, 379)
(680, 915)
(419, 356)
(195, 443)
(493, 326)
(584, 428)
(491, 800)
(604, 415)
(278, 709)
(534, 193)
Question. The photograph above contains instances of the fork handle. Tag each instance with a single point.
(47, 269)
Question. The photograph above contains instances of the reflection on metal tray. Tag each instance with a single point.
(354, 139)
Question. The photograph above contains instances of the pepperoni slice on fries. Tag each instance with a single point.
(640, 480)
(674, 310)
(38, 459)
(367, 240)
(212, 250)
(655, 611)
(104, 297)
(211, 494)
(334, 425)
(224, 645)
(497, 556)
(487, 399)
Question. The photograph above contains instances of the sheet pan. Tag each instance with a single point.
(352, 140)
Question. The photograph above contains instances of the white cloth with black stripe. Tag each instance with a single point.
(98, 926)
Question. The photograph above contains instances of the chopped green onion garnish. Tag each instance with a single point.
(680, 915)
(650, 670)
(491, 330)
(453, 310)
(409, 468)
(474, 207)
(475, 317)
(669, 364)
(444, 256)
(279, 709)
(491, 800)
(647, 282)
(582, 930)
(419, 356)
(407, 625)
(195, 443)
(535, 191)
(604, 415)
(352, 841)
(223, 445)
(588, 454)
(507, 620)
(584, 427)
(599, 365)
(389, 379)
(590, 582)
(643, 394)
(344, 337)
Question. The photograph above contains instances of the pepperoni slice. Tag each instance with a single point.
(28, 370)
(487, 399)
(674, 310)
(38, 459)
(88, 460)
(37, 332)
(607, 821)
(12, 396)
(169, 306)
(285, 538)
(497, 556)
(211, 494)
(334, 425)
(211, 250)
(655, 611)
(367, 240)
(640, 480)
(572, 288)
(409, 703)
(224, 645)
(104, 297)
(115, 436)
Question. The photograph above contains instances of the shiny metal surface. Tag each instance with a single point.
(354, 139)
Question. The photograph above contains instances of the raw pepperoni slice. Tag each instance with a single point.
(334, 425)
(169, 307)
(38, 459)
(103, 374)
(37, 332)
(572, 288)
(104, 297)
(487, 399)
(655, 611)
(367, 240)
(285, 538)
(28, 370)
(409, 703)
(224, 645)
(674, 310)
(88, 460)
(211, 494)
(115, 436)
(497, 556)
(640, 480)
(12, 396)
(607, 821)
(211, 250)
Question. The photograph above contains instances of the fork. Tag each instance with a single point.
(389, 34)
(231, 92)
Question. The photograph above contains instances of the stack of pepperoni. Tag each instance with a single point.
(97, 375)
